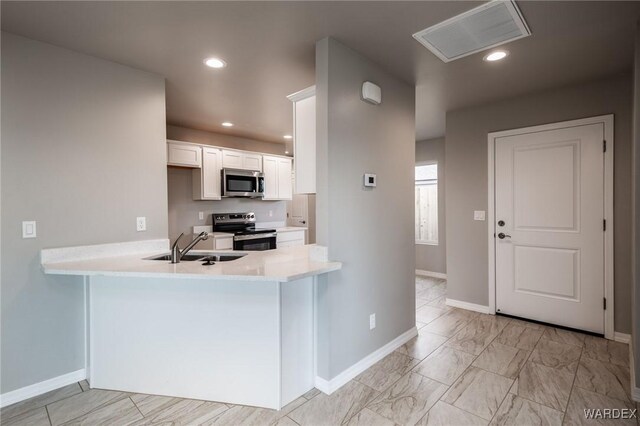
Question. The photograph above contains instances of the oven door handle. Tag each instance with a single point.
(253, 237)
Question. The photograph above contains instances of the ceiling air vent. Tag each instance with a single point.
(486, 26)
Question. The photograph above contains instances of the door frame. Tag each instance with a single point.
(607, 121)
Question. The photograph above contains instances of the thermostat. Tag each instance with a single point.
(369, 180)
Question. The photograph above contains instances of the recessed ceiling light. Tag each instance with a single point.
(215, 63)
(286, 152)
(287, 136)
(227, 124)
(496, 55)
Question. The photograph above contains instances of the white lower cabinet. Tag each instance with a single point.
(223, 243)
(216, 242)
(206, 180)
(290, 238)
(277, 178)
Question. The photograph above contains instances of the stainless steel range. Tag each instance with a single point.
(245, 234)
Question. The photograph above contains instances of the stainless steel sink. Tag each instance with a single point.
(200, 257)
(186, 257)
(223, 257)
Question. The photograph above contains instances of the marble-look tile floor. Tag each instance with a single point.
(464, 368)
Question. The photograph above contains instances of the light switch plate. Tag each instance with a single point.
(201, 215)
(478, 215)
(372, 321)
(141, 223)
(370, 180)
(29, 229)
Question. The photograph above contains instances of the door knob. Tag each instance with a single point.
(502, 236)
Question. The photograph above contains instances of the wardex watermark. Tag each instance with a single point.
(610, 413)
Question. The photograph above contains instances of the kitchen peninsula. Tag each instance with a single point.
(239, 331)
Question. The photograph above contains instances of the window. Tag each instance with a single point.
(427, 204)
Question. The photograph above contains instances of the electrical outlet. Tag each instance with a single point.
(201, 215)
(270, 213)
(141, 223)
(372, 321)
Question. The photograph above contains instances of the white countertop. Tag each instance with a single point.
(284, 264)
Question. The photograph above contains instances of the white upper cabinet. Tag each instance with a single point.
(184, 154)
(270, 170)
(304, 139)
(206, 181)
(231, 159)
(252, 161)
(277, 178)
(241, 160)
(285, 184)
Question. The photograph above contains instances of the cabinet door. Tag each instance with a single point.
(231, 159)
(252, 162)
(211, 166)
(184, 155)
(285, 189)
(270, 170)
(304, 145)
(223, 243)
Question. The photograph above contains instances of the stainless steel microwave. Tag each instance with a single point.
(242, 183)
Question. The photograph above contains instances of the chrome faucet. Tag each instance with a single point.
(177, 254)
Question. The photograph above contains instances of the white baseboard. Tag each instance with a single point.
(469, 306)
(330, 386)
(439, 275)
(622, 337)
(36, 389)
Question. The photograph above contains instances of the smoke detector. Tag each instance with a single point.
(489, 25)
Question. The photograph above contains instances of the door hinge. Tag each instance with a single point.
(604, 303)
(604, 146)
(604, 224)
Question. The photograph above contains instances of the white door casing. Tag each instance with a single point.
(552, 186)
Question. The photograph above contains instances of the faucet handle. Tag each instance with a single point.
(203, 235)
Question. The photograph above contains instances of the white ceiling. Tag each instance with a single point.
(269, 48)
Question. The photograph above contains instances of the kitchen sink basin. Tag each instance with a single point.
(223, 257)
(200, 257)
(186, 258)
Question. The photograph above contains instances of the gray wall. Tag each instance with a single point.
(369, 230)
(83, 154)
(428, 257)
(635, 340)
(183, 210)
(466, 179)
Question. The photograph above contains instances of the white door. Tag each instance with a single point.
(549, 188)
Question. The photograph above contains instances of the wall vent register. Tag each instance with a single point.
(492, 24)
